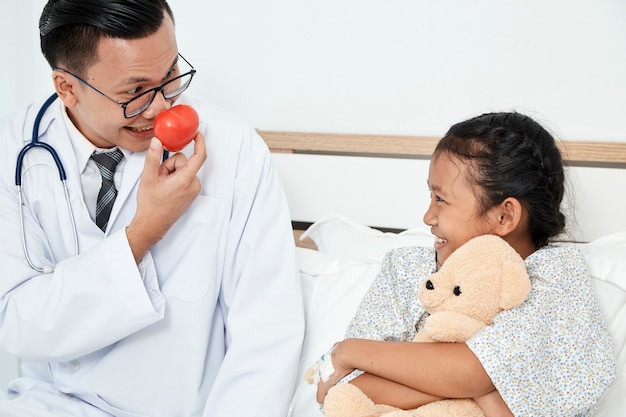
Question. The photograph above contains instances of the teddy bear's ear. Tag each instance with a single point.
(515, 283)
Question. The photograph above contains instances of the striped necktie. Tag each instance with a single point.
(106, 162)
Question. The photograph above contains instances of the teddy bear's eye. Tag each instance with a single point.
(429, 285)
(457, 290)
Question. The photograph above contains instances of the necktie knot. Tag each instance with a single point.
(106, 162)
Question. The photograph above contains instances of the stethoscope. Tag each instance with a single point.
(34, 143)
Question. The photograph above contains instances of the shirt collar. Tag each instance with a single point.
(83, 148)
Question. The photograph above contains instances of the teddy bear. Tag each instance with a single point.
(479, 280)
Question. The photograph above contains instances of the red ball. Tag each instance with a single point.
(176, 127)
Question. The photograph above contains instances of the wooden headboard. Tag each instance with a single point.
(577, 153)
(608, 157)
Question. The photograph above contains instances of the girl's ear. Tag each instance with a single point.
(510, 214)
(65, 86)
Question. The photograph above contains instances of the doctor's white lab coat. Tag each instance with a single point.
(209, 324)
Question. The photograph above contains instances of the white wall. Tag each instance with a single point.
(382, 66)
(24, 72)
(411, 66)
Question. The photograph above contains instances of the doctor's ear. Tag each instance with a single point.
(65, 85)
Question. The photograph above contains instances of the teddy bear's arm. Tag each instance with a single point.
(449, 326)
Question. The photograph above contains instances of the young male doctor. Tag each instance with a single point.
(186, 301)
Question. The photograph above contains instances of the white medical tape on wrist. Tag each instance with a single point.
(322, 369)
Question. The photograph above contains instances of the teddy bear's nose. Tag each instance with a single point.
(429, 285)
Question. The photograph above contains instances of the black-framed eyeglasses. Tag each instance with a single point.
(136, 105)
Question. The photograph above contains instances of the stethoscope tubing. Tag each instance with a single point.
(35, 143)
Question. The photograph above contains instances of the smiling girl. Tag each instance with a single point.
(501, 174)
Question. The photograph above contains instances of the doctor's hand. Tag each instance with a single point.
(165, 192)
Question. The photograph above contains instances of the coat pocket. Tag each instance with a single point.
(188, 258)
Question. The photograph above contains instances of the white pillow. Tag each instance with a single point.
(606, 259)
(342, 237)
(332, 291)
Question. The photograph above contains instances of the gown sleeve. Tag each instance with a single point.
(391, 310)
(552, 356)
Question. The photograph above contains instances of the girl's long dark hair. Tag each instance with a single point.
(511, 155)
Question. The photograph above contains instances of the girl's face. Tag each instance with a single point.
(454, 210)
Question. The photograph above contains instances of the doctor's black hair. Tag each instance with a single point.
(70, 30)
(511, 155)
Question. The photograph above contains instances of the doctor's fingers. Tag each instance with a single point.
(192, 164)
(196, 160)
(152, 163)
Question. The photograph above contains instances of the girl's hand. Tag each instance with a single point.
(340, 371)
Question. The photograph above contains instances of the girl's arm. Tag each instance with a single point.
(493, 405)
(379, 390)
(448, 370)
(384, 391)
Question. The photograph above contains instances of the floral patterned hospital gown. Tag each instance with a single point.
(552, 356)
